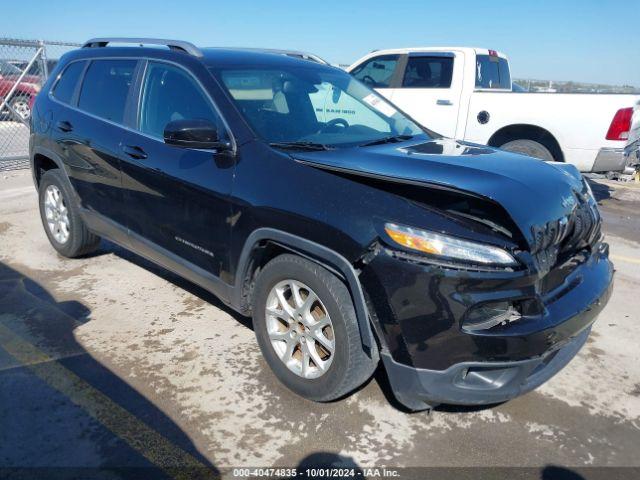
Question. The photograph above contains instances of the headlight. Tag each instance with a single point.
(588, 187)
(446, 247)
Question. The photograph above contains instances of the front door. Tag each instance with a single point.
(380, 73)
(430, 90)
(177, 199)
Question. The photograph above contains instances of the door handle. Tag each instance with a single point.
(444, 102)
(64, 126)
(134, 152)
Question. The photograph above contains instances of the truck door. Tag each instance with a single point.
(430, 88)
(380, 73)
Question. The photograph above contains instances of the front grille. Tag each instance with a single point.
(568, 235)
(585, 227)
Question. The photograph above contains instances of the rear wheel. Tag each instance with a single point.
(306, 327)
(529, 147)
(61, 219)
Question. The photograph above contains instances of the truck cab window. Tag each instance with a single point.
(428, 72)
(377, 72)
(492, 72)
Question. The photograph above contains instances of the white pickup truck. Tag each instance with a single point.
(632, 150)
(466, 93)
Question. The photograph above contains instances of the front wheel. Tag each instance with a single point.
(530, 148)
(306, 327)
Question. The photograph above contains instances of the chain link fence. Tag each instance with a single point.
(24, 67)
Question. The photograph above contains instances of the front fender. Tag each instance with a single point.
(317, 253)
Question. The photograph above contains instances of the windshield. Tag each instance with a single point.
(8, 69)
(313, 106)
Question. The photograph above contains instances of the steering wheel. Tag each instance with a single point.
(368, 79)
(334, 123)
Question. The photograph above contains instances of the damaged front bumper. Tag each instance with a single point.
(431, 359)
(477, 383)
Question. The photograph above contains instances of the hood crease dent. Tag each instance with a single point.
(531, 191)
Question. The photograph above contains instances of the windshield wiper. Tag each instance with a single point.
(391, 139)
(300, 145)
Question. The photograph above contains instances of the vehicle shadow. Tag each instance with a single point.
(328, 465)
(63, 414)
(600, 190)
(553, 472)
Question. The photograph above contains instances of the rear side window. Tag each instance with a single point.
(492, 72)
(376, 72)
(65, 87)
(428, 72)
(105, 88)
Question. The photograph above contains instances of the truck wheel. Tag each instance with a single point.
(307, 330)
(61, 219)
(530, 148)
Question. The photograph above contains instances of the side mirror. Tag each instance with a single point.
(194, 133)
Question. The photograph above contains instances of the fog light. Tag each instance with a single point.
(489, 315)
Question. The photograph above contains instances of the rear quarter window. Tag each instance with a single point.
(66, 85)
(105, 88)
(492, 72)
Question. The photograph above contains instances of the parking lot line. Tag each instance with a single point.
(177, 463)
(622, 258)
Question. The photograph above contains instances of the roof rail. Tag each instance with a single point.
(178, 45)
(289, 53)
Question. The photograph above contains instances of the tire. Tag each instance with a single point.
(346, 367)
(63, 225)
(530, 148)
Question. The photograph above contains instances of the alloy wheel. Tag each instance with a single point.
(56, 213)
(300, 329)
(21, 107)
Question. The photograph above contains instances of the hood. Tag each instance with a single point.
(531, 191)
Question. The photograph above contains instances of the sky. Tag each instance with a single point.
(586, 41)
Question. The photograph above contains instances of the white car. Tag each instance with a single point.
(466, 93)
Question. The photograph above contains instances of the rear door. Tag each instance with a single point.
(430, 89)
(88, 128)
(177, 198)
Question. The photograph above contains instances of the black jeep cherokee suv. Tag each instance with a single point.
(301, 197)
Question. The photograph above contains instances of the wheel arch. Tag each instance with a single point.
(42, 160)
(523, 131)
(252, 258)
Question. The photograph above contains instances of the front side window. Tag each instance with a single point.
(168, 94)
(428, 72)
(492, 72)
(65, 87)
(105, 88)
(313, 104)
(376, 72)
